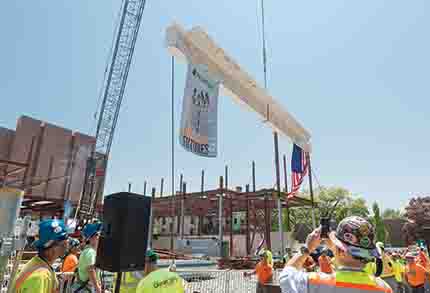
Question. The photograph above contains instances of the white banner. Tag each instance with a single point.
(198, 133)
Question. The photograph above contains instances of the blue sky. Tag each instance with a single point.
(355, 73)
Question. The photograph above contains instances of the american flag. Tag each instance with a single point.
(299, 169)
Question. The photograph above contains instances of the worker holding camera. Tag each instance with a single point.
(353, 244)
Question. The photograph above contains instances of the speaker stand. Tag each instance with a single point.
(118, 282)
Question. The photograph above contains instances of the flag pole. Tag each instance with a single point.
(275, 134)
(172, 201)
(278, 187)
(308, 159)
(288, 226)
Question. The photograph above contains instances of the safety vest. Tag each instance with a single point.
(269, 257)
(398, 270)
(387, 269)
(36, 276)
(415, 274)
(346, 282)
(161, 281)
(129, 281)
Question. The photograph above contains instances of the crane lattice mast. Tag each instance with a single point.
(113, 92)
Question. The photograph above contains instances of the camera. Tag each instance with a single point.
(325, 227)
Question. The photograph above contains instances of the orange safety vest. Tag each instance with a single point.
(346, 282)
(325, 265)
(415, 274)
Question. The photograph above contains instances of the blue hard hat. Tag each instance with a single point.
(91, 229)
(50, 231)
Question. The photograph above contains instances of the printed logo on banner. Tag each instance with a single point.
(199, 118)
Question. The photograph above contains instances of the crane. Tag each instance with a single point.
(112, 94)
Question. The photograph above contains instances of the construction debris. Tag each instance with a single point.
(167, 254)
(243, 263)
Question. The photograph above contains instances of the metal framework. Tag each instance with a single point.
(11, 169)
(257, 206)
(113, 92)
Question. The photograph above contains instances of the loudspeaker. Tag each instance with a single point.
(124, 238)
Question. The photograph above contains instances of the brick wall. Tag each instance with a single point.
(54, 150)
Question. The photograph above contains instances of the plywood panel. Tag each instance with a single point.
(50, 141)
(26, 129)
(82, 150)
(6, 139)
(55, 145)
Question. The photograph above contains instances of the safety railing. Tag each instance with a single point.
(65, 280)
(196, 281)
(217, 281)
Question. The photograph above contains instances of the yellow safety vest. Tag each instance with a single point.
(161, 281)
(35, 276)
(269, 257)
(370, 268)
(387, 270)
(129, 281)
(346, 282)
(398, 270)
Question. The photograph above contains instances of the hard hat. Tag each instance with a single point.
(74, 243)
(262, 253)
(380, 245)
(91, 229)
(50, 231)
(356, 236)
(152, 255)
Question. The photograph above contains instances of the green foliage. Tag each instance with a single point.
(347, 204)
(392, 214)
(336, 201)
(379, 223)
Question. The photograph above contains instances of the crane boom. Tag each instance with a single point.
(113, 92)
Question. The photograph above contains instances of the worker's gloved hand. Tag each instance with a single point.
(313, 240)
(329, 243)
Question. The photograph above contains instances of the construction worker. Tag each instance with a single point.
(263, 270)
(129, 281)
(415, 273)
(353, 245)
(157, 280)
(88, 280)
(38, 275)
(324, 263)
(70, 262)
(269, 257)
(399, 270)
(309, 265)
(423, 258)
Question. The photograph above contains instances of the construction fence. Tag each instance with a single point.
(196, 281)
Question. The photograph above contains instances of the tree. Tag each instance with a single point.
(392, 214)
(418, 220)
(336, 202)
(379, 223)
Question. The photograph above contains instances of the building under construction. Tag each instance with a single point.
(48, 162)
(243, 218)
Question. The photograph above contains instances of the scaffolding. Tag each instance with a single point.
(257, 207)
